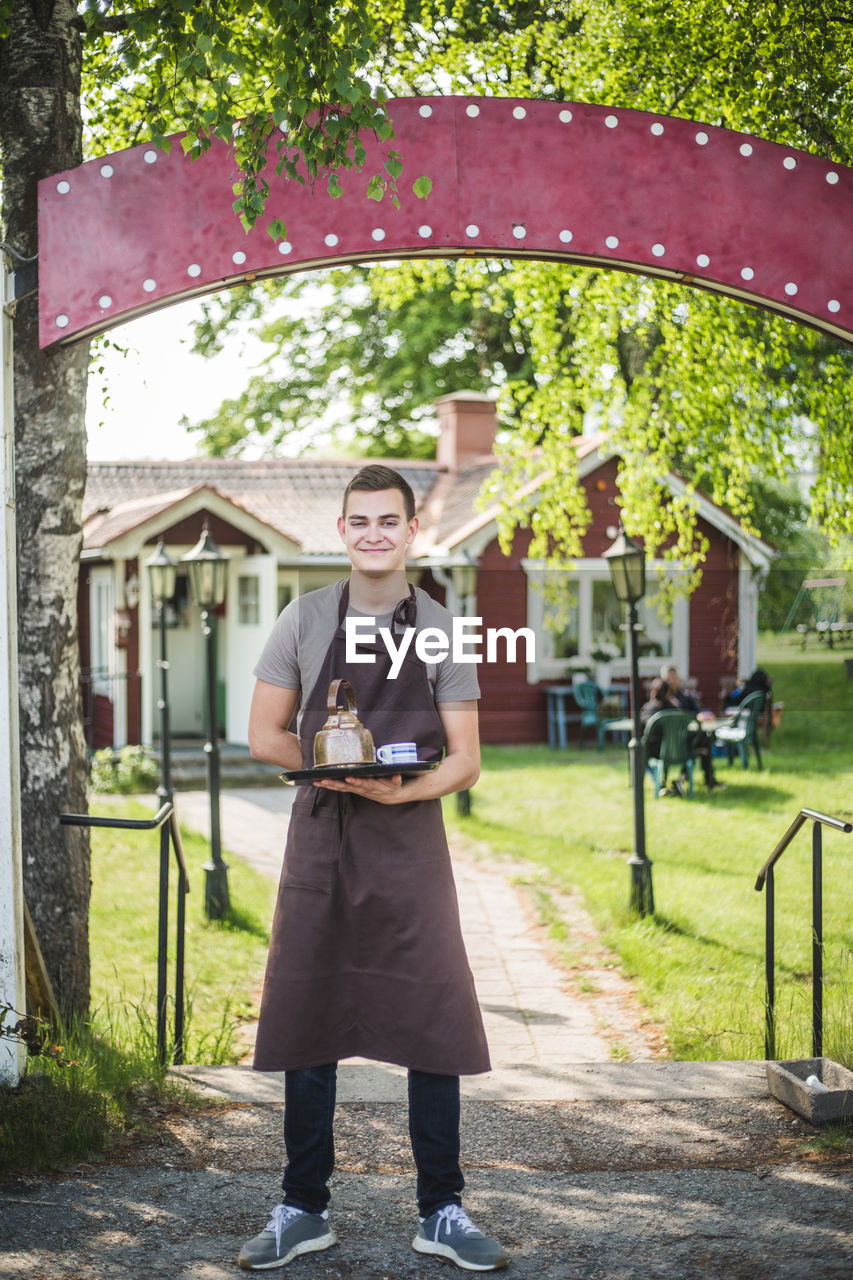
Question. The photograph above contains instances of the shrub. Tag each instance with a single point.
(125, 771)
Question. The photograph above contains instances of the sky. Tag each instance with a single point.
(157, 382)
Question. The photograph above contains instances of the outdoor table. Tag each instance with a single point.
(558, 700)
(710, 726)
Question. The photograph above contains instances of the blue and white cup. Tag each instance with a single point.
(398, 753)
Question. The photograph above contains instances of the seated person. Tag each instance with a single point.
(759, 680)
(683, 697)
(663, 698)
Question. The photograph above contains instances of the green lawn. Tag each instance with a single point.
(699, 964)
(224, 960)
(101, 1083)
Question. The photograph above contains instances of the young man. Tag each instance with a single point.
(366, 957)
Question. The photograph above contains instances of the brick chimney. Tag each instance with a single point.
(467, 424)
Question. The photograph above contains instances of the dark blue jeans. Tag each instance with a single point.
(309, 1115)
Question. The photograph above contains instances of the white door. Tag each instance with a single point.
(251, 612)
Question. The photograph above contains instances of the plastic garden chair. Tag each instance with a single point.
(743, 730)
(674, 749)
(586, 695)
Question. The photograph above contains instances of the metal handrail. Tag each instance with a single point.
(165, 820)
(765, 876)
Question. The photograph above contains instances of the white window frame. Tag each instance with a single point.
(581, 574)
(102, 599)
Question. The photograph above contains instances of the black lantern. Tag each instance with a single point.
(626, 561)
(162, 575)
(208, 574)
(207, 568)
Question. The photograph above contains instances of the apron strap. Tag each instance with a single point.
(405, 614)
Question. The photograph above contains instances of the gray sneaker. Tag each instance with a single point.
(450, 1233)
(289, 1232)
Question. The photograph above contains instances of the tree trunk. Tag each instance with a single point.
(40, 134)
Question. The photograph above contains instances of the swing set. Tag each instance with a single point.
(825, 598)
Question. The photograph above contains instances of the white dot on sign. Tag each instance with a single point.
(330, 240)
(656, 128)
(62, 322)
(238, 258)
(612, 242)
(105, 301)
(702, 139)
(107, 171)
(425, 232)
(832, 305)
(566, 237)
(377, 234)
(658, 250)
(472, 109)
(611, 121)
(194, 269)
(519, 113)
(747, 273)
(519, 232)
(63, 187)
(149, 285)
(425, 111)
(789, 162)
(285, 246)
(790, 288)
(472, 230)
(565, 117)
(832, 177)
(746, 148)
(150, 157)
(703, 260)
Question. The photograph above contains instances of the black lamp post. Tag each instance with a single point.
(162, 575)
(207, 568)
(464, 578)
(627, 564)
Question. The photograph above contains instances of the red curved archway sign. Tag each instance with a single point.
(655, 195)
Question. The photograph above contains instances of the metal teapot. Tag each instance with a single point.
(343, 739)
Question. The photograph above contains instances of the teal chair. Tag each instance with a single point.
(673, 750)
(742, 733)
(587, 696)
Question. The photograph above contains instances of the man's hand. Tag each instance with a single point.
(386, 790)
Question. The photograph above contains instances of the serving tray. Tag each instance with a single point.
(339, 771)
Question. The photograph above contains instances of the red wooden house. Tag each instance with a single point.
(276, 522)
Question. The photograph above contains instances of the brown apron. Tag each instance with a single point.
(366, 957)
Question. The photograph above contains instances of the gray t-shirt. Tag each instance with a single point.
(294, 654)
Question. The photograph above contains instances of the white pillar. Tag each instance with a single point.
(12, 982)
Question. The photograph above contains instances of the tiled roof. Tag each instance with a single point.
(300, 497)
(459, 503)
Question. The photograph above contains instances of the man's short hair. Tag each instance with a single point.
(666, 668)
(376, 477)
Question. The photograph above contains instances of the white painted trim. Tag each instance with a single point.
(747, 641)
(133, 542)
(583, 573)
(148, 654)
(119, 664)
(12, 980)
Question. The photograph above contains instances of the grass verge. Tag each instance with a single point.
(699, 962)
(104, 1082)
